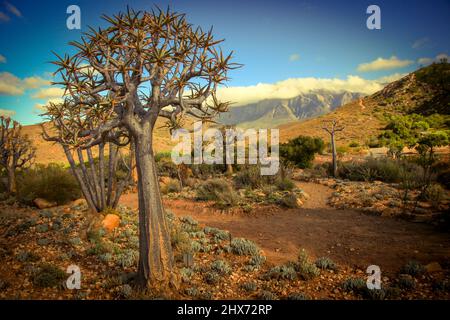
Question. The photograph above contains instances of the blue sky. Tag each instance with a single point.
(286, 46)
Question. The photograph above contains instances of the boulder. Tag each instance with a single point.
(43, 204)
(433, 267)
(299, 202)
(110, 222)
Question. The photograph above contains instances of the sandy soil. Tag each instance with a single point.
(349, 237)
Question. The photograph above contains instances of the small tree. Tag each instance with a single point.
(99, 183)
(16, 150)
(332, 126)
(426, 147)
(301, 150)
(142, 66)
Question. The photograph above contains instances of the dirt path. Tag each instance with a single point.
(347, 236)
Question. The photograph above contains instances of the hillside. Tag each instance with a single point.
(47, 152)
(425, 91)
(270, 113)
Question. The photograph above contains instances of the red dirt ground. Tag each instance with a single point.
(349, 237)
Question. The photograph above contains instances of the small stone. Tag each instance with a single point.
(43, 204)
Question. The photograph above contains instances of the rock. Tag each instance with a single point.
(433, 267)
(43, 204)
(165, 180)
(79, 202)
(299, 202)
(110, 222)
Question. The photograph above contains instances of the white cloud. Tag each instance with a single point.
(11, 85)
(13, 9)
(438, 58)
(41, 106)
(291, 88)
(47, 93)
(2, 59)
(420, 43)
(7, 113)
(391, 78)
(294, 57)
(383, 64)
(424, 61)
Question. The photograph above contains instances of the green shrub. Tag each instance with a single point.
(413, 268)
(52, 182)
(301, 150)
(186, 274)
(127, 258)
(356, 285)
(297, 296)
(249, 286)
(282, 272)
(383, 169)
(212, 277)
(221, 267)
(435, 194)
(27, 256)
(325, 263)
(306, 269)
(217, 190)
(267, 295)
(244, 247)
(353, 144)
(219, 235)
(47, 275)
(285, 184)
(405, 281)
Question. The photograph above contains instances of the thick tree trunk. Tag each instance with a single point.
(155, 250)
(12, 188)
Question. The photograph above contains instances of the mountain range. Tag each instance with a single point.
(271, 113)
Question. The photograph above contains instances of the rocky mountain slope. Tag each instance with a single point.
(273, 112)
(425, 91)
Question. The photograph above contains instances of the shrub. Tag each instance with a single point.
(297, 296)
(353, 144)
(267, 295)
(325, 263)
(288, 200)
(435, 194)
(47, 275)
(383, 169)
(127, 258)
(413, 268)
(257, 260)
(306, 269)
(221, 267)
(218, 234)
(301, 150)
(405, 281)
(285, 184)
(212, 277)
(217, 190)
(249, 286)
(173, 186)
(27, 256)
(244, 247)
(52, 182)
(282, 272)
(356, 285)
(186, 274)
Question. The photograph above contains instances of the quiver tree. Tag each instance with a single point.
(332, 126)
(146, 65)
(16, 150)
(98, 180)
